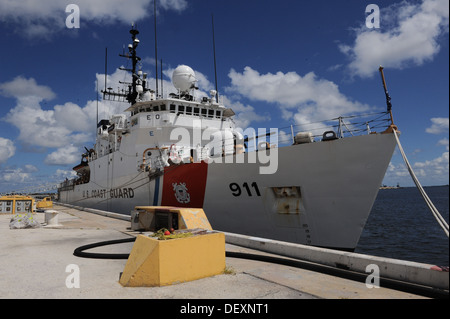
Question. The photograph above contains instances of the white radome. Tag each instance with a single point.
(183, 78)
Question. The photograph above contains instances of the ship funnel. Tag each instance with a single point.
(183, 78)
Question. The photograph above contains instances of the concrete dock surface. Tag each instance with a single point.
(39, 263)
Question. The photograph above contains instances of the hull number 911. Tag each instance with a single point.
(250, 190)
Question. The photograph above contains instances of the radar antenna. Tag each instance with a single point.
(137, 86)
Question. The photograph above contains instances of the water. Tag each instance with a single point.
(402, 226)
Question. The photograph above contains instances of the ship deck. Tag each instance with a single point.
(34, 262)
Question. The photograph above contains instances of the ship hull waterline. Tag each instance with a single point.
(321, 193)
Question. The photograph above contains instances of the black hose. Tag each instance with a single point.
(79, 252)
(342, 273)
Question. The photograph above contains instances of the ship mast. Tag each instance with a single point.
(133, 93)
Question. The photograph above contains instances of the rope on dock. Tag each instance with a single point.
(433, 209)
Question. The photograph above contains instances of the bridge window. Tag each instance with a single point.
(173, 108)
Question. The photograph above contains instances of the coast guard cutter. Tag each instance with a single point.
(183, 150)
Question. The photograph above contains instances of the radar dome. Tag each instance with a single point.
(183, 78)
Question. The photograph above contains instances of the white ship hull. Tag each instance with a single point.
(321, 193)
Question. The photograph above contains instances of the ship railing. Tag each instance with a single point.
(342, 126)
(335, 128)
(67, 185)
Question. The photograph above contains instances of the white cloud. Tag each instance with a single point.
(24, 179)
(429, 172)
(311, 97)
(43, 18)
(203, 82)
(15, 176)
(408, 35)
(72, 117)
(64, 156)
(7, 149)
(444, 142)
(177, 5)
(26, 90)
(20, 179)
(29, 168)
(398, 170)
(37, 127)
(46, 128)
(435, 168)
(440, 125)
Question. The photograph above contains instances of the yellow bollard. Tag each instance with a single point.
(155, 262)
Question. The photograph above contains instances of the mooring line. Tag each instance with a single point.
(433, 209)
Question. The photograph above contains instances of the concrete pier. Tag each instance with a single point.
(39, 263)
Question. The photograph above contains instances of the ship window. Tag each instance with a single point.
(163, 107)
(196, 111)
(149, 109)
(218, 114)
(180, 109)
(210, 113)
(189, 110)
(173, 108)
(204, 112)
(156, 108)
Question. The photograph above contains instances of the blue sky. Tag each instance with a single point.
(278, 63)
